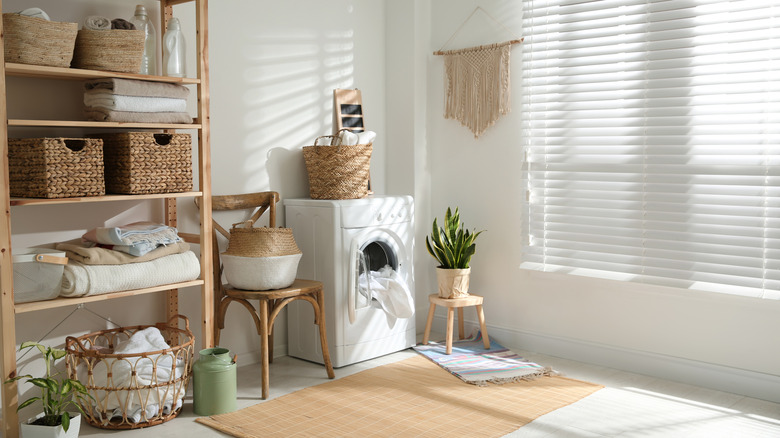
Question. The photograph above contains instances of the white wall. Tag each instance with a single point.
(714, 340)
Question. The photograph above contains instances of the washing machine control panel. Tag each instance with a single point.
(380, 211)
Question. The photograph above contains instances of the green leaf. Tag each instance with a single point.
(41, 383)
(28, 402)
(14, 379)
(78, 386)
(28, 344)
(66, 387)
(65, 419)
(58, 353)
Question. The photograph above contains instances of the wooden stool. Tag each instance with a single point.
(451, 304)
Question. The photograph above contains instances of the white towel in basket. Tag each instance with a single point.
(146, 388)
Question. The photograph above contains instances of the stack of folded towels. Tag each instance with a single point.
(134, 256)
(129, 100)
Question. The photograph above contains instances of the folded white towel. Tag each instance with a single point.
(347, 138)
(35, 12)
(136, 104)
(366, 137)
(96, 22)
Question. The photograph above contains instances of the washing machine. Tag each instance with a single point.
(340, 240)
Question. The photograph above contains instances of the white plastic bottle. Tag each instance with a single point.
(142, 22)
(174, 49)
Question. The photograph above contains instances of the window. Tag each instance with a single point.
(652, 133)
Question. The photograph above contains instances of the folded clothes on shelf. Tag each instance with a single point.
(132, 87)
(129, 100)
(89, 254)
(135, 239)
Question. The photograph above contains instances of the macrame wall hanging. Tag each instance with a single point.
(477, 81)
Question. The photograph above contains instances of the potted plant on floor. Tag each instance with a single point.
(452, 246)
(57, 395)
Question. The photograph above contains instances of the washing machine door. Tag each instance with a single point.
(371, 250)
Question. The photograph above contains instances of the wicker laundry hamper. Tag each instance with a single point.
(260, 258)
(153, 376)
(33, 40)
(119, 50)
(337, 171)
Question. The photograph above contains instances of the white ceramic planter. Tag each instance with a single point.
(33, 431)
(453, 283)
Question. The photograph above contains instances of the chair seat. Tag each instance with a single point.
(298, 287)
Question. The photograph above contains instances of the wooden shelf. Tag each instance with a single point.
(76, 74)
(89, 124)
(106, 198)
(9, 424)
(63, 302)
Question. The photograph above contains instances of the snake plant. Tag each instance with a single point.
(452, 246)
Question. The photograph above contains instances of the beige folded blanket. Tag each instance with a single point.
(132, 87)
(106, 115)
(79, 279)
(76, 250)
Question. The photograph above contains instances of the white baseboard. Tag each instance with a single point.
(722, 378)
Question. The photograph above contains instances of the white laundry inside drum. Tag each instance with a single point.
(382, 287)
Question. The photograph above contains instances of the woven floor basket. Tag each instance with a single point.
(146, 162)
(117, 50)
(337, 172)
(33, 40)
(247, 241)
(55, 167)
(90, 360)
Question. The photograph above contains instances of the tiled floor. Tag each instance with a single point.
(630, 405)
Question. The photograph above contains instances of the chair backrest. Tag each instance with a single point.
(260, 202)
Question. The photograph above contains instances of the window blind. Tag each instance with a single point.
(652, 135)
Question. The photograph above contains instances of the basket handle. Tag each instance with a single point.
(73, 340)
(248, 224)
(325, 136)
(54, 260)
(162, 139)
(174, 321)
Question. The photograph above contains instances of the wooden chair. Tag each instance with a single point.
(271, 302)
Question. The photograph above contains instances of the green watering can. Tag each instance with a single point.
(214, 382)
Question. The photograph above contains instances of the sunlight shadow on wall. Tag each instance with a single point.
(288, 102)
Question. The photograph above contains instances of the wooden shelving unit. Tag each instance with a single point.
(8, 309)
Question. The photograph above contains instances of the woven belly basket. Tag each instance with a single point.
(260, 258)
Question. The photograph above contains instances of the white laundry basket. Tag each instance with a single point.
(37, 274)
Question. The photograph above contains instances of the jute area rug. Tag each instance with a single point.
(410, 398)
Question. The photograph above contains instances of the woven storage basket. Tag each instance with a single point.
(337, 172)
(248, 241)
(55, 167)
(260, 258)
(153, 376)
(146, 162)
(111, 50)
(33, 40)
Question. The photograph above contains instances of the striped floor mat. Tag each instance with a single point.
(474, 364)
